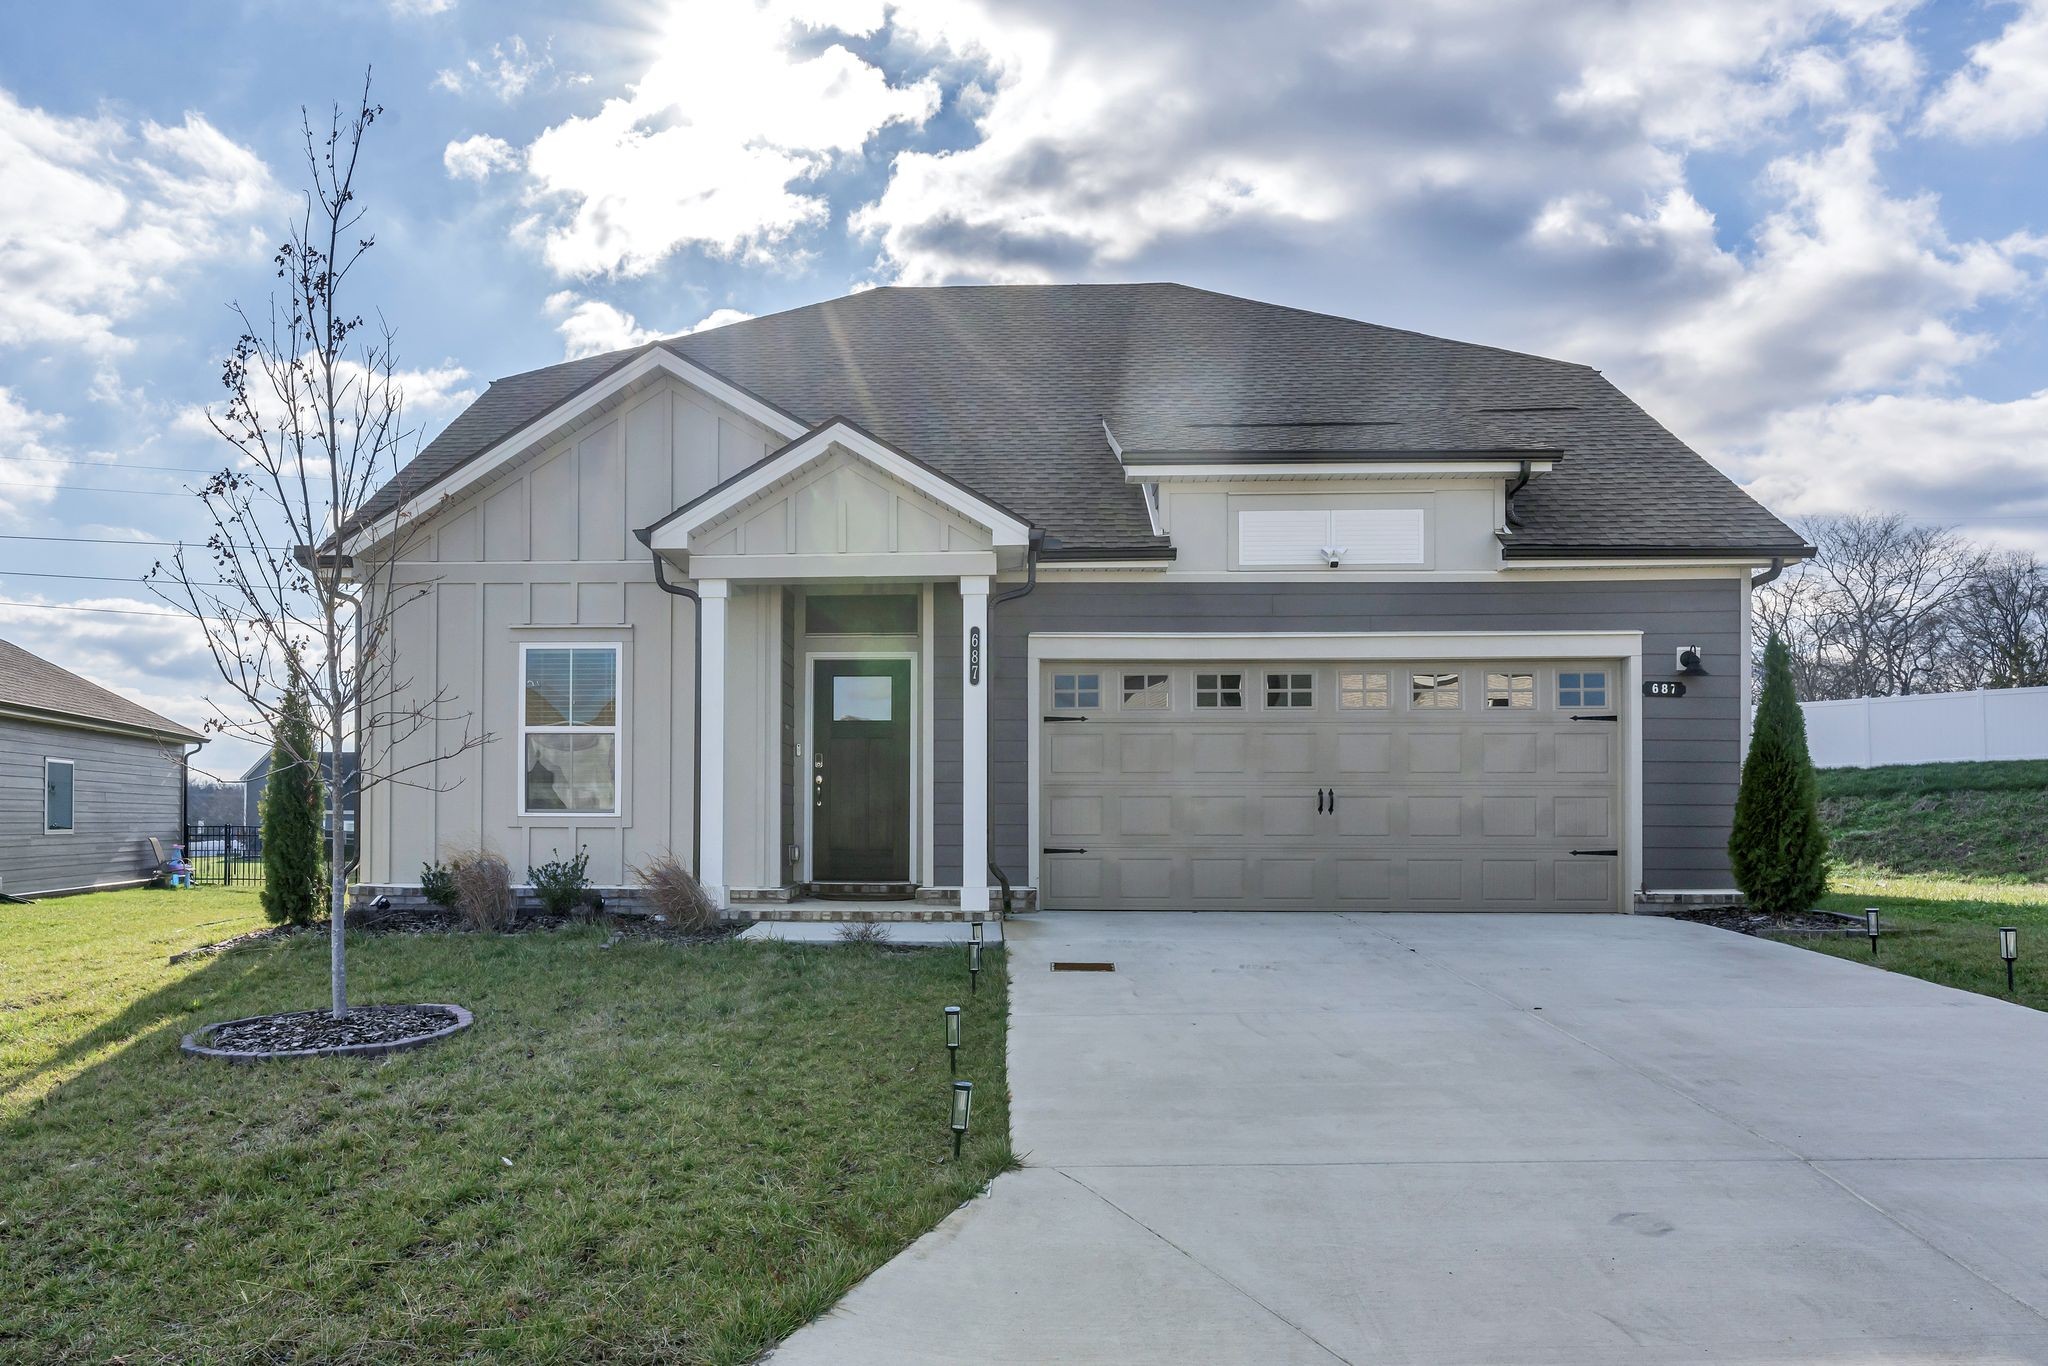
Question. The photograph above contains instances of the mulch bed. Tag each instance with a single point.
(1743, 920)
(308, 1029)
(437, 922)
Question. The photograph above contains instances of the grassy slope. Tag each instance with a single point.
(638, 1152)
(1947, 853)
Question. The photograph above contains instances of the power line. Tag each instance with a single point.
(109, 611)
(91, 488)
(117, 464)
(99, 578)
(103, 540)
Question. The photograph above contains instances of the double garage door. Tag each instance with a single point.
(1330, 786)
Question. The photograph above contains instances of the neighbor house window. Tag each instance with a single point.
(1514, 691)
(58, 776)
(1435, 692)
(569, 729)
(1287, 691)
(1147, 692)
(1586, 688)
(1214, 691)
(1361, 690)
(1076, 692)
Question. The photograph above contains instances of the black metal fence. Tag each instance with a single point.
(232, 855)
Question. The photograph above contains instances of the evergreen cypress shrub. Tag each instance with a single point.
(294, 871)
(1778, 847)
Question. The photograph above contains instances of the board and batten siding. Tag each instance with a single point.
(126, 788)
(546, 554)
(1691, 745)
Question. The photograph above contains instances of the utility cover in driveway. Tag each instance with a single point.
(1424, 786)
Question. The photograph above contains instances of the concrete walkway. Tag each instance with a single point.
(1568, 1140)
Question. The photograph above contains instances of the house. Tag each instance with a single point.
(1129, 596)
(86, 777)
(257, 780)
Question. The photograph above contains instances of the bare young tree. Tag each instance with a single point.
(315, 415)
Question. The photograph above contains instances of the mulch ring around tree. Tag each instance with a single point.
(366, 1031)
(1744, 920)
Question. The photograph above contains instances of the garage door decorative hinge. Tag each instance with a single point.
(1062, 851)
(1609, 716)
(1075, 719)
(1600, 853)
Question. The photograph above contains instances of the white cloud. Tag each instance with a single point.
(431, 393)
(508, 72)
(29, 467)
(478, 158)
(2002, 92)
(100, 218)
(419, 9)
(709, 149)
(591, 326)
(1842, 289)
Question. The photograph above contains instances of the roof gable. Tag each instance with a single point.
(31, 684)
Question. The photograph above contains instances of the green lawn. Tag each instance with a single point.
(641, 1152)
(1947, 853)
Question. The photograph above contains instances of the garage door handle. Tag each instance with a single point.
(1063, 851)
(1601, 853)
(1319, 801)
(1608, 717)
(1333, 799)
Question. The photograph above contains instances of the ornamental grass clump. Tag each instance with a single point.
(675, 894)
(483, 888)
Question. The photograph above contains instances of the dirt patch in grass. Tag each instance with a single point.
(1743, 920)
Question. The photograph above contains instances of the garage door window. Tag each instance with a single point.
(1587, 688)
(1147, 692)
(1077, 692)
(1435, 692)
(1361, 690)
(1290, 691)
(1517, 692)
(1219, 691)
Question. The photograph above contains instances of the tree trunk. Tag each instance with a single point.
(337, 883)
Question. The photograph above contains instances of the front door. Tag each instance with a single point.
(860, 770)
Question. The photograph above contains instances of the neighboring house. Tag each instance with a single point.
(1147, 596)
(257, 779)
(86, 777)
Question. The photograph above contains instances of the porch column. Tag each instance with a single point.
(711, 604)
(974, 673)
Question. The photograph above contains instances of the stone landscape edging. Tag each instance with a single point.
(193, 1048)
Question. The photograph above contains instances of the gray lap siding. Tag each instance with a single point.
(125, 789)
(1691, 745)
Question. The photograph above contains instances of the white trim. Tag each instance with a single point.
(1114, 570)
(878, 566)
(72, 764)
(1623, 647)
(919, 801)
(712, 595)
(771, 740)
(506, 449)
(1647, 563)
(617, 729)
(1329, 469)
(927, 616)
(1002, 527)
(62, 721)
(1746, 693)
(974, 743)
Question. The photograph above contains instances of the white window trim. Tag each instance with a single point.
(1123, 703)
(72, 764)
(1077, 704)
(1266, 689)
(1243, 692)
(617, 729)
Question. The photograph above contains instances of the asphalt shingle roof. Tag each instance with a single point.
(35, 684)
(1006, 388)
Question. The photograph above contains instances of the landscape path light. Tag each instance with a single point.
(963, 1109)
(2008, 949)
(1870, 923)
(953, 1039)
(974, 968)
(974, 931)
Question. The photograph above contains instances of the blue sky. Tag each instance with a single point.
(1808, 236)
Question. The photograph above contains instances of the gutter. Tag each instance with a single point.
(646, 537)
(1769, 575)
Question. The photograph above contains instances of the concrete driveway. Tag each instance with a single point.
(1325, 1138)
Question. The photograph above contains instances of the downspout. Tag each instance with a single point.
(646, 538)
(1521, 481)
(185, 790)
(1769, 575)
(1031, 549)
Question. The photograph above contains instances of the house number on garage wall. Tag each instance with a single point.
(1671, 689)
(974, 656)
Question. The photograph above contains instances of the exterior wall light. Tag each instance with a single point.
(974, 968)
(1870, 927)
(963, 1109)
(2008, 949)
(953, 1039)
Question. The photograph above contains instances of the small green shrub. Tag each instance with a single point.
(560, 883)
(437, 884)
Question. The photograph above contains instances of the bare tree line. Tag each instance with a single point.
(1889, 607)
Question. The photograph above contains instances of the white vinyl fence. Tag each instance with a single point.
(1929, 728)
